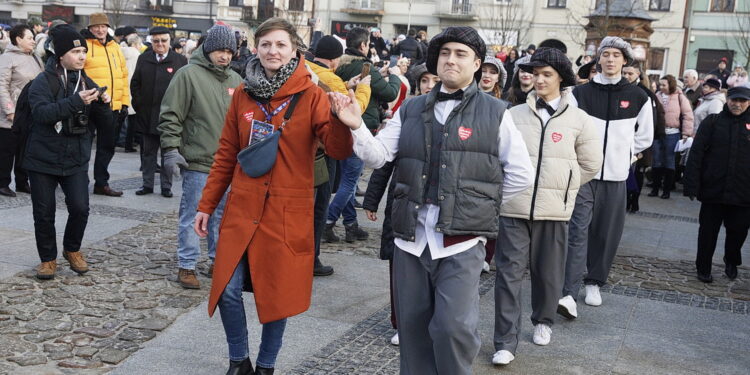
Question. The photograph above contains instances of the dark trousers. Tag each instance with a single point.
(130, 131)
(150, 145)
(10, 157)
(736, 220)
(76, 190)
(105, 149)
(322, 196)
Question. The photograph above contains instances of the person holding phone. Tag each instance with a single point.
(63, 100)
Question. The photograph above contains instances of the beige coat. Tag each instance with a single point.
(16, 70)
(571, 155)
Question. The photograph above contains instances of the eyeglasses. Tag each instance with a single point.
(160, 40)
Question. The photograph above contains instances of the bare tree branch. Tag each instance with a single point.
(117, 8)
(507, 23)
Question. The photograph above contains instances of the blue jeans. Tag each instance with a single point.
(189, 244)
(232, 312)
(343, 202)
(664, 151)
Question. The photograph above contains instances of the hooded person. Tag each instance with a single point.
(565, 148)
(266, 238)
(493, 77)
(623, 116)
(443, 164)
(63, 100)
(191, 117)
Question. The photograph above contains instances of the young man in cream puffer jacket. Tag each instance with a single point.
(566, 149)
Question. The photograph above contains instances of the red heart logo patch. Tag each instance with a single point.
(230, 91)
(624, 104)
(556, 137)
(464, 133)
(249, 116)
(170, 70)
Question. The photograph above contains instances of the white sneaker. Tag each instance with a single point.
(486, 267)
(542, 334)
(394, 339)
(593, 298)
(502, 357)
(567, 307)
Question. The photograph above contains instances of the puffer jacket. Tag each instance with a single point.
(16, 70)
(335, 83)
(131, 58)
(384, 89)
(194, 107)
(105, 64)
(566, 152)
(708, 105)
(674, 105)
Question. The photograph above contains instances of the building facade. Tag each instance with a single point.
(716, 29)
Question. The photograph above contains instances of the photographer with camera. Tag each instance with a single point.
(58, 149)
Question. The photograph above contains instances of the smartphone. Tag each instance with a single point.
(102, 89)
(365, 71)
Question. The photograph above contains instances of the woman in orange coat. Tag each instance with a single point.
(266, 236)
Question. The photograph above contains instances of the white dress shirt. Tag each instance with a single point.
(554, 103)
(513, 155)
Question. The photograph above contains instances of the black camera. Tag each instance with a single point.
(77, 124)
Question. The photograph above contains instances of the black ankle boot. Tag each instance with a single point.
(263, 371)
(244, 367)
(354, 233)
(634, 207)
(328, 234)
(656, 175)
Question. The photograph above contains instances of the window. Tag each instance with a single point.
(708, 59)
(659, 5)
(235, 3)
(297, 5)
(556, 3)
(722, 5)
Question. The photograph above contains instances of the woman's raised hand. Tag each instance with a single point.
(346, 108)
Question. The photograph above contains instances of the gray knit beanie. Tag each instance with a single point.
(218, 38)
(619, 43)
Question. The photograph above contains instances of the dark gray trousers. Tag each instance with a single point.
(541, 245)
(150, 146)
(437, 309)
(594, 234)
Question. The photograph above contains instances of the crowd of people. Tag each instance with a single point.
(515, 157)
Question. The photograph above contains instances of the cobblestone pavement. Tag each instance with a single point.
(87, 324)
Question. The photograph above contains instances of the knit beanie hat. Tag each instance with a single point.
(328, 48)
(218, 38)
(65, 38)
(552, 57)
(713, 82)
(619, 43)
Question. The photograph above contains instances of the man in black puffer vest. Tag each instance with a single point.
(718, 173)
(458, 156)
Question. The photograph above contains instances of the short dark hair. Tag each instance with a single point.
(356, 36)
(18, 31)
(412, 32)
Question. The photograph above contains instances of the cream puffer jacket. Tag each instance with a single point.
(16, 70)
(566, 153)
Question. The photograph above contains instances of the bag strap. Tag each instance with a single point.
(292, 104)
(679, 104)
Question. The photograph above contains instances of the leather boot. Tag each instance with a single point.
(668, 180)
(328, 234)
(244, 367)
(319, 269)
(354, 233)
(634, 202)
(46, 270)
(656, 174)
(187, 279)
(77, 263)
(263, 371)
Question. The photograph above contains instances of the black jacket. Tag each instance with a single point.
(148, 85)
(48, 151)
(239, 62)
(411, 49)
(722, 75)
(718, 168)
(375, 190)
(380, 46)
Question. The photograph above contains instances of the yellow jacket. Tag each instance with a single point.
(105, 64)
(330, 79)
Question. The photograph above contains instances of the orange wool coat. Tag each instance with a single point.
(271, 217)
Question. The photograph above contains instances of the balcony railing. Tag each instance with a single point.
(374, 7)
(457, 9)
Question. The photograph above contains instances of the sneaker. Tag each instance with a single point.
(187, 279)
(77, 263)
(486, 267)
(567, 307)
(593, 298)
(542, 333)
(502, 357)
(329, 235)
(394, 340)
(354, 233)
(46, 270)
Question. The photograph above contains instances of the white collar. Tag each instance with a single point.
(601, 79)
